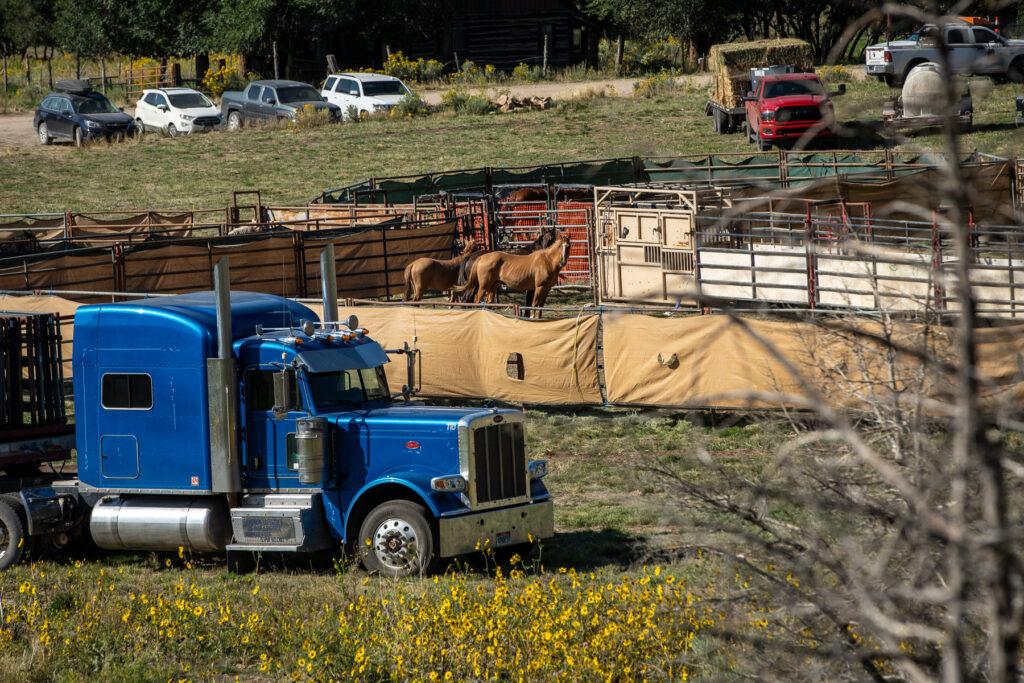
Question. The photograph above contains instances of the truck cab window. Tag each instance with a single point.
(127, 392)
(260, 390)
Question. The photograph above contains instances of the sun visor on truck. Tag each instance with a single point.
(350, 358)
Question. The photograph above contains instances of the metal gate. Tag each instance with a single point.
(520, 223)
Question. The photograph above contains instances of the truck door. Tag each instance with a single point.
(269, 439)
(963, 53)
(251, 108)
(991, 52)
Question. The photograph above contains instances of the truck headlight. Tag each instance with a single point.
(538, 469)
(452, 484)
(767, 116)
(93, 124)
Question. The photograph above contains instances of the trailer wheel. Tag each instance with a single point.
(12, 534)
(397, 539)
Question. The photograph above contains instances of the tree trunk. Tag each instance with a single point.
(620, 50)
(103, 75)
(202, 66)
(28, 67)
(5, 73)
(49, 71)
(78, 65)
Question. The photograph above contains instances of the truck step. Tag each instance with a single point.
(280, 523)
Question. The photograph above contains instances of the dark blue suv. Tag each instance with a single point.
(77, 113)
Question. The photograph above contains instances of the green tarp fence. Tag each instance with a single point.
(765, 168)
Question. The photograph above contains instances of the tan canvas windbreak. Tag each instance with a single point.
(711, 361)
(466, 354)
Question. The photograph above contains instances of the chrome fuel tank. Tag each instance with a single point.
(202, 524)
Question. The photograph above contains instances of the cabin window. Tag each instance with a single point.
(577, 40)
(127, 392)
(260, 390)
(514, 366)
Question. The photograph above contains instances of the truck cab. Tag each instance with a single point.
(784, 107)
(277, 434)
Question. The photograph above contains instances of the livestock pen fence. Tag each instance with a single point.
(369, 262)
(598, 356)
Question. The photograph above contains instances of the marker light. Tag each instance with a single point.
(538, 469)
(452, 484)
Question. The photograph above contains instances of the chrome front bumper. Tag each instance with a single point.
(496, 528)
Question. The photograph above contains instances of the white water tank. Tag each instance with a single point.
(923, 91)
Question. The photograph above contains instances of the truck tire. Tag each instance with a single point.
(78, 137)
(234, 121)
(397, 540)
(12, 534)
(1015, 72)
(762, 146)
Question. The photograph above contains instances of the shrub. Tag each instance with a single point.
(582, 99)
(657, 85)
(311, 117)
(836, 73)
(525, 72)
(352, 112)
(419, 70)
(215, 82)
(410, 105)
(463, 102)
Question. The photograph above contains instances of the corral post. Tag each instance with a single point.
(940, 293)
(299, 254)
(387, 273)
(812, 259)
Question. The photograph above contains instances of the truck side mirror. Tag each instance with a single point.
(284, 391)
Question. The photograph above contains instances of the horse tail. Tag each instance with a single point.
(407, 294)
(470, 284)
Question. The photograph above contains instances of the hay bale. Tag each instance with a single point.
(730, 63)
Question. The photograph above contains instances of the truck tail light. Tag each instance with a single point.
(887, 56)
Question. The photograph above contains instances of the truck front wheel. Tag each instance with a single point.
(12, 535)
(397, 539)
(1015, 72)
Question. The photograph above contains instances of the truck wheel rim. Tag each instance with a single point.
(42, 137)
(4, 540)
(395, 544)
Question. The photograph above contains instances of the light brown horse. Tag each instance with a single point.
(534, 273)
(425, 274)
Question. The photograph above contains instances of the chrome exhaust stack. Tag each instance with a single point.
(222, 394)
(329, 285)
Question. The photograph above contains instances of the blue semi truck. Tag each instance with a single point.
(238, 422)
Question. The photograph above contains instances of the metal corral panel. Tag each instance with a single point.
(140, 370)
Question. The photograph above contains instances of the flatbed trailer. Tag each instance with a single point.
(725, 119)
(34, 427)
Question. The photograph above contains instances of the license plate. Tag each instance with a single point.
(502, 538)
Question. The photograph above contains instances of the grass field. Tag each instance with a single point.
(292, 166)
(620, 548)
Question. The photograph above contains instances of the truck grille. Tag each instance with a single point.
(499, 462)
(798, 114)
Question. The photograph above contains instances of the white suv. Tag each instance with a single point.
(368, 93)
(176, 110)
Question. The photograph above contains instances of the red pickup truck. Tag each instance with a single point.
(784, 107)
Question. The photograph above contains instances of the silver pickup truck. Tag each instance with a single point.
(973, 50)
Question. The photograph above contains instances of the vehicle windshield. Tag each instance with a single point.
(190, 100)
(785, 88)
(297, 93)
(346, 388)
(95, 104)
(373, 88)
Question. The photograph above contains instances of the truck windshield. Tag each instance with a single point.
(95, 104)
(297, 93)
(374, 88)
(785, 88)
(190, 100)
(348, 387)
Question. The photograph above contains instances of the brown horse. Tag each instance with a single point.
(431, 274)
(534, 273)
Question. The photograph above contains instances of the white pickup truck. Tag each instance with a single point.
(973, 50)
